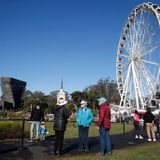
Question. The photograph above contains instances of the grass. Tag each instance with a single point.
(72, 132)
(148, 151)
(139, 152)
(9, 126)
(116, 128)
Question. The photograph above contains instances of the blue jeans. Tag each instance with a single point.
(34, 124)
(105, 142)
(83, 137)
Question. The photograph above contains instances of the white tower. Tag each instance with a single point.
(61, 93)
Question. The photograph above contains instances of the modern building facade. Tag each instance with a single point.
(12, 90)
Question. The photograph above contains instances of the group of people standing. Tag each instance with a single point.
(148, 122)
(84, 119)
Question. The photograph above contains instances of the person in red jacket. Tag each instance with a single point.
(104, 127)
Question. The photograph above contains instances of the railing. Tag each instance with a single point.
(23, 128)
(23, 120)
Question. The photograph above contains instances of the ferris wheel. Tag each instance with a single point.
(138, 57)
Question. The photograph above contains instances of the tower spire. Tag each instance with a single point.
(62, 84)
(61, 93)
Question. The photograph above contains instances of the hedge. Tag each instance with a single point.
(11, 130)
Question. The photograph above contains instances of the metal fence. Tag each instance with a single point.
(24, 120)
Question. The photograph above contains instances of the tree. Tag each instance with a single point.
(32, 99)
(27, 100)
(104, 88)
(53, 94)
(77, 96)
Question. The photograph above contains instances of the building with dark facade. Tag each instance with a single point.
(12, 90)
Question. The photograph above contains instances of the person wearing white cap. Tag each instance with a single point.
(84, 119)
(104, 127)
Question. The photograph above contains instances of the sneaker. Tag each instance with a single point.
(109, 153)
(100, 154)
(86, 150)
(149, 140)
(136, 136)
(154, 140)
(140, 137)
(37, 140)
(52, 153)
(80, 150)
(30, 141)
(43, 141)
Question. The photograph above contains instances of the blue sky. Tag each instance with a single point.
(44, 41)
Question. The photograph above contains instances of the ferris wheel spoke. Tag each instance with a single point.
(126, 83)
(143, 90)
(124, 55)
(149, 62)
(148, 75)
(148, 78)
(145, 79)
(151, 50)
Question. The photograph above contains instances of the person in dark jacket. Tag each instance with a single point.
(36, 117)
(149, 121)
(104, 128)
(61, 114)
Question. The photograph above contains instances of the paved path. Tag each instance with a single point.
(40, 151)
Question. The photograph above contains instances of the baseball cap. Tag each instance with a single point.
(102, 100)
(83, 102)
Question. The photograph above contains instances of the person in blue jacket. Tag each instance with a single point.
(84, 119)
(42, 131)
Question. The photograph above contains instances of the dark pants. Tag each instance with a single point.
(137, 129)
(83, 137)
(58, 144)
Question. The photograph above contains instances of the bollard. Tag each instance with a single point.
(22, 136)
(124, 129)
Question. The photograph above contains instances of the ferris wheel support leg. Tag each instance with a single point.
(135, 85)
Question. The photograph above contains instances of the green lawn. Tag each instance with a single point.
(72, 132)
(116, 128)
(148, 151)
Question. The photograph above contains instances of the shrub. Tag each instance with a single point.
(11, 130)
